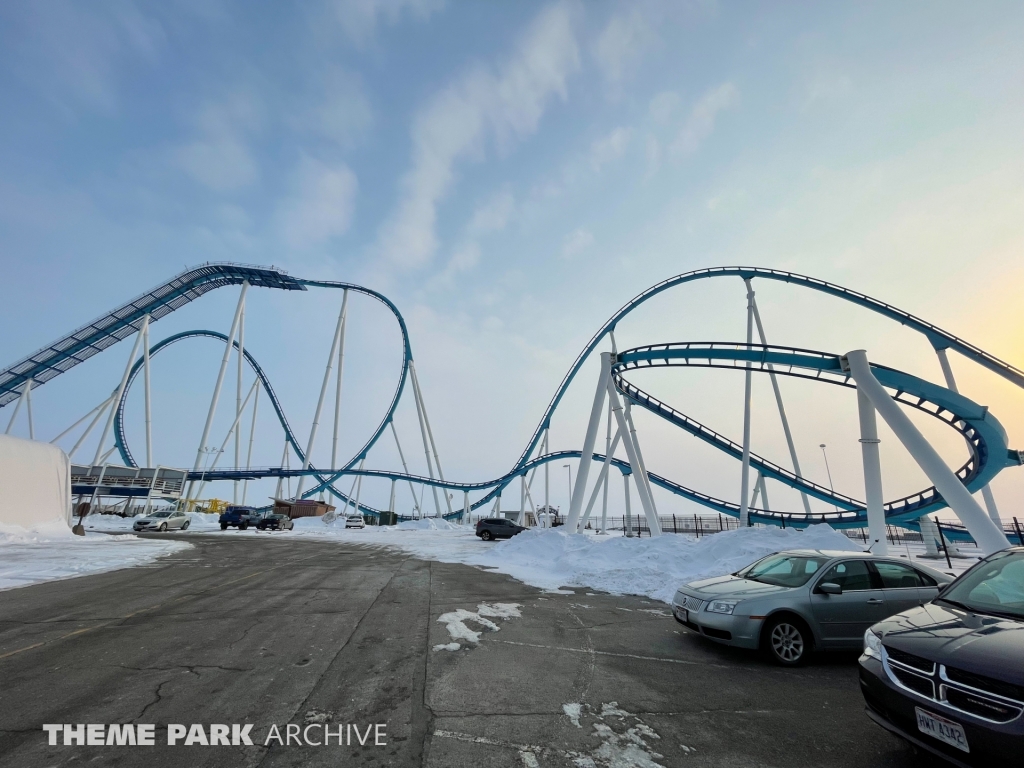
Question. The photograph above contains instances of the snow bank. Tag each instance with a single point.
(655, 567)
(428, 524)
(50, 551)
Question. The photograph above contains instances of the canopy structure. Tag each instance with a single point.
(35, 483)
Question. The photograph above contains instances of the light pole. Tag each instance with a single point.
(829, 471)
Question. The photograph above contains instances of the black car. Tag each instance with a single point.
(237, 517)
(497, 528)
(275, 523)
(949, 676)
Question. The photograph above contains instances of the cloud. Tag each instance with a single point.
(664, 107)
(576, 242)
(620, 46)
(77, 52)
(336, 109)
(701, 121)
(220, 158)
(494, 215)
(506, 104)
(610, 147)
(321, 204)
(360, 18)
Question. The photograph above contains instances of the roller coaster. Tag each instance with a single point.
(879, 390)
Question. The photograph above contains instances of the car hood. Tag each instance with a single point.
(974, 642)
(731, 586)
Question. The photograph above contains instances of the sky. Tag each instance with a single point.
(509, 174)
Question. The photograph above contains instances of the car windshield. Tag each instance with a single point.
(161, 514)
(783, 570)
(995, 586)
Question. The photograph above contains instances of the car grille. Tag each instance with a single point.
(977, 695)
(691, 603)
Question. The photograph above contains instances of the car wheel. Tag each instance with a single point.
(787, 641)
(223, 526)
(243, 526)
(163, 527)
(185, 525)
(486, 536)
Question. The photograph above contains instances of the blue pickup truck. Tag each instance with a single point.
(238, 517)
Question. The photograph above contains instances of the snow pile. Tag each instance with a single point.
(428, 524)
(655, 567)
(50, 551)
(197, 521)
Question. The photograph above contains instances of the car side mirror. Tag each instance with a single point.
(830, 588)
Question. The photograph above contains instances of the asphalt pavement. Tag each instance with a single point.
(277, 631)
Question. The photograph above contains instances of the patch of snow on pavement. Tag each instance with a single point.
(456, 620)
(573, 712)
(51, 552)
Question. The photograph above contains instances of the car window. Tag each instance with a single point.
(162, 514)
(899, 576)
(784, 570)
(852, 576)
(994, 586)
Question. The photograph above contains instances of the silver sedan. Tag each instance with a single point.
(791, 603)
(166, 519)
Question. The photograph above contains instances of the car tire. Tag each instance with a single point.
(223, 526)
(243, 526)
(162, 528)
(486, 536)
(185, 525)
(786, 640)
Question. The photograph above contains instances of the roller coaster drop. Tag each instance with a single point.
(985, 437)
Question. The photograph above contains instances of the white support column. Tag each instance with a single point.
(72, 427)
(745, 463)
(465, 508)
(220, 379)
(988, 536)
(778, 399)
(231, 430)
(28, 410)
(323, 391)
(608, 452)
(521, 520)
(430, 432)
(238, 400)
(629, 517)
(391, 503)
(405, 468)
(634, 462)
(872, 475)
(628, 413)
(547, 467)
(24, 394)
(280, 479)
(359, 488)
(88, 430)
(341, 374)
(117, 399)
(602, 482)
(986, 492)
(148, 395)
(252, 435)
(426, 440)
(587, 457)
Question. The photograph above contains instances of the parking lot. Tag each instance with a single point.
(272, 631)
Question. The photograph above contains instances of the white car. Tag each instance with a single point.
(164, 520)
(355, 521)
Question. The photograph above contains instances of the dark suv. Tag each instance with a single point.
(949, 676)
(497, 528)
(237, 517)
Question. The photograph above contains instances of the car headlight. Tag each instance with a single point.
(872, 644)
(722, 606)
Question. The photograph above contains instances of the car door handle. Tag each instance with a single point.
(875, 601)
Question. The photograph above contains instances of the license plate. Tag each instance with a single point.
(942, 729)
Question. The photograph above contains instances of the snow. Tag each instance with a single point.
(552, 559)
(455, 621)
(50, 551)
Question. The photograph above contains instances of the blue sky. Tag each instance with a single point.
(509, 174)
